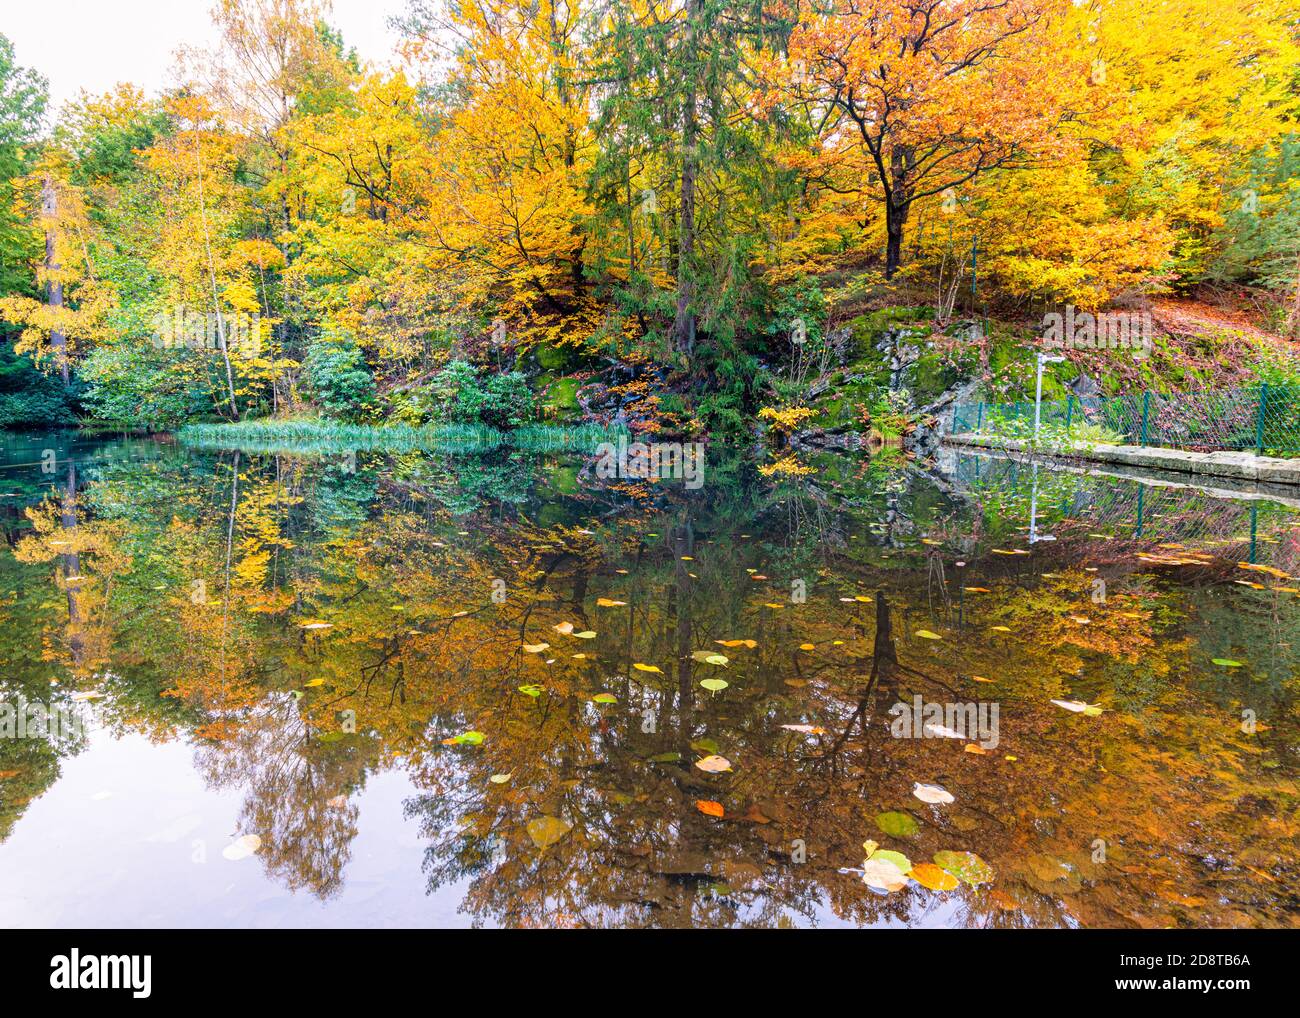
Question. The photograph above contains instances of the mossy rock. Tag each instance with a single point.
(560, 401)
(564, 480)
(554, 359)
(868, 329)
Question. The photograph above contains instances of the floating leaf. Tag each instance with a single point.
(897, 858)
(714, 685)
(714, 764)
(971, 747)
(751, 644)
(1000, 629)
(546, 831)
(710, 808)
(931, 793)
(532, 689)
(927, 874)
(1227, 662)
(242, 848)
(535, 648)
(925, 634)
(604, 698)
(313, 683)
(965, 866)
(1079, 707)
(564, 628)
(647, 668)
(605, 602)
(805, 729)
(501, 779)
(897, 825)
(807, 646)
(883, 875)
(710, 657)
(316, 625)
(465, 739)
(586, 634)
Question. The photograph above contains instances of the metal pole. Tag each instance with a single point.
(1038, 397)
(1146, 411)
(1259, 425)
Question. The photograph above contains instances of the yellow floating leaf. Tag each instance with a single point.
(927, 874)
(925, 634)
(714, 764)
(546, 831)
(647, 668)
(535, 648)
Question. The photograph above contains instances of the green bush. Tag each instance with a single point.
(335, 377)
(29, 398)
(460, 394)
(141, 386)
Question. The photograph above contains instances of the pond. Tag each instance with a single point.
(406, 689)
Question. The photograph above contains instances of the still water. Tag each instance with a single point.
(420, 690)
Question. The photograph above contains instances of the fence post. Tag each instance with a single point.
(1259, 424)
(979, 421)
(1146, 411)
(1069, 412)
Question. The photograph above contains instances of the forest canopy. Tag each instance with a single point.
(553, 185)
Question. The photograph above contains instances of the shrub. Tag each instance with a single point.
(335, 377)
(459, 394)
(140, 386)
(29, 398)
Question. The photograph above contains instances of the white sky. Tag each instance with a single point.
(94, 44)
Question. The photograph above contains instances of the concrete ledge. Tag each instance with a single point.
(1243, 466)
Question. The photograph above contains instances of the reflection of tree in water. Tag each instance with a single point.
(416, 647)
(295, 791)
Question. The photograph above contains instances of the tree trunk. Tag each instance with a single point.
(212, 274)
(53, 286)
(898, 204)
(684, 322)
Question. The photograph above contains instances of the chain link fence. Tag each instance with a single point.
(1264, 419)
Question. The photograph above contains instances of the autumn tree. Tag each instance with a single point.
(928, 95)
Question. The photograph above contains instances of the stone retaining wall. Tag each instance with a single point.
(1243, 466)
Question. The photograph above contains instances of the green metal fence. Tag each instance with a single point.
(1264, 418)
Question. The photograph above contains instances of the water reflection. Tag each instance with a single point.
(511, 650)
